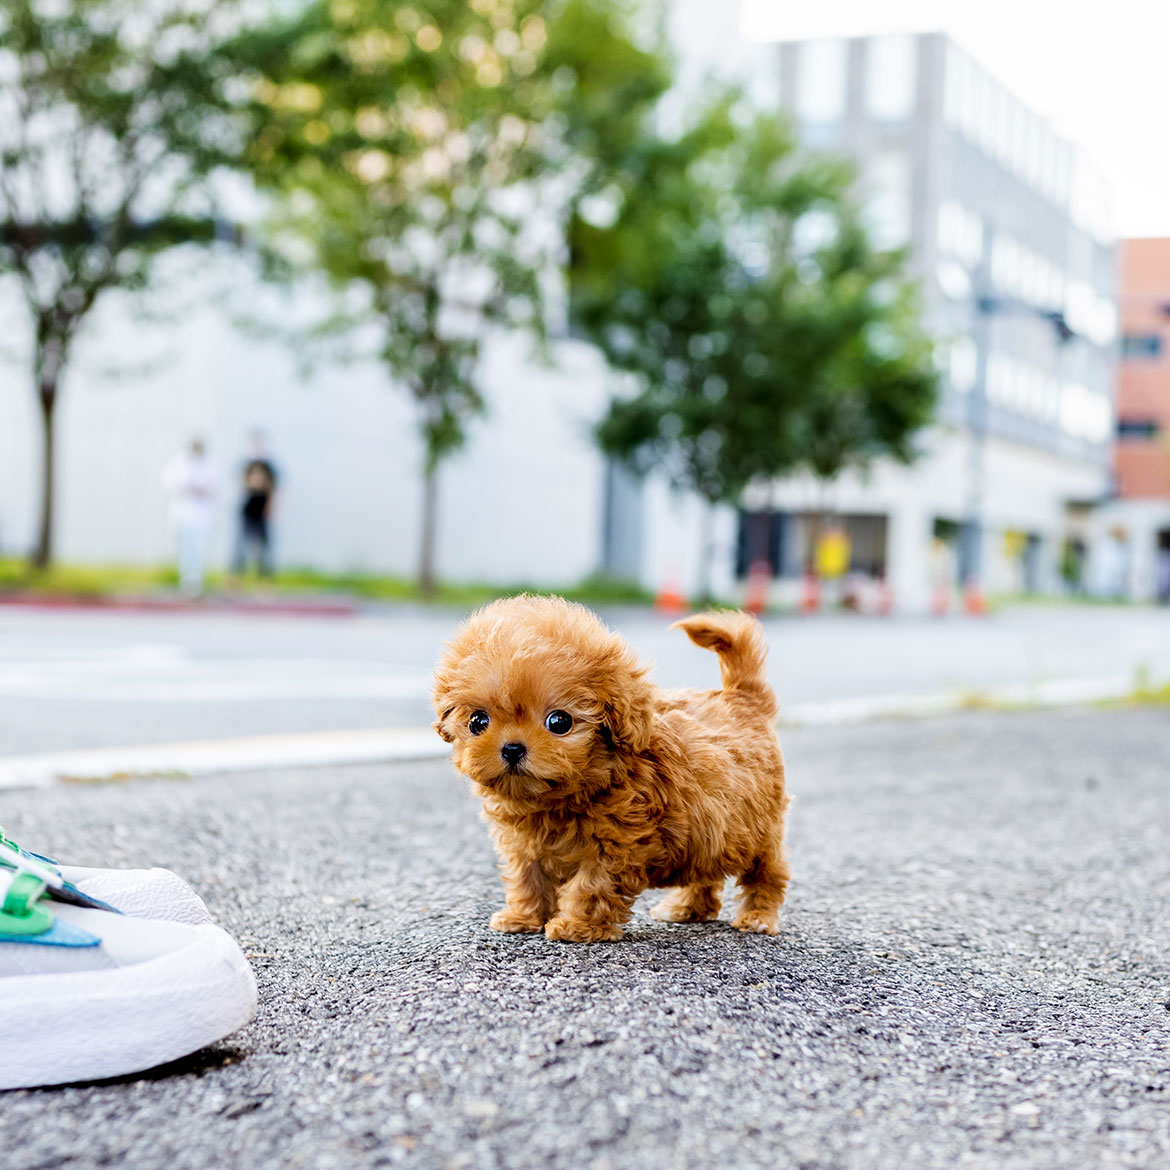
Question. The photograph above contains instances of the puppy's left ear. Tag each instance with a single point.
(628, 717)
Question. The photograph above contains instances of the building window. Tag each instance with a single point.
(954, 94)
(1137, 428)
(1005, 263)
(960, 233)
(963, 365)
(1137, 347)
(887, 209)
(1062, 174)
(821, 82)
(1002, 144)
(1021, 142)
(988, 115)
(1050, 174)
(1085, 414)
(1037, 135)
(891, 78)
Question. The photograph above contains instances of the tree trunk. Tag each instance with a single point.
(43, 553)
(427, 584)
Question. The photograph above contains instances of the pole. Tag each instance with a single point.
(971, 544)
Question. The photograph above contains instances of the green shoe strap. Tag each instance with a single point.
(21, 912)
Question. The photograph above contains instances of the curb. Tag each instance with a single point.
(1056, 693)
(202, 758)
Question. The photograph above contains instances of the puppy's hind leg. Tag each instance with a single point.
(698, 902)
(764, 886)
(529, 899)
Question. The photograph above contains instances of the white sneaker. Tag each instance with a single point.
(88, 993)
(141, 893)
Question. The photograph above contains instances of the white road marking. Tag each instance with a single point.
(164, 674)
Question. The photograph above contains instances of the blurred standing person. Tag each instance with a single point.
(1111, 576)
(253, 538)
(189, 479)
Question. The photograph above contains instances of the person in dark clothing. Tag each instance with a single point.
(253, 543)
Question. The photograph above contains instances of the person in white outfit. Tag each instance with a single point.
(189, 479)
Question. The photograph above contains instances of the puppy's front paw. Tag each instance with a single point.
(752, 922)
(509, 922)
(577, 930)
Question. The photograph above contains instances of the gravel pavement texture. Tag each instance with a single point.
(972, 971)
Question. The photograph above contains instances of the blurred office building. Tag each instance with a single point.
(1007, 227)
(1131, 532)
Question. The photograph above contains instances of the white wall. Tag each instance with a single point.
(522, 502)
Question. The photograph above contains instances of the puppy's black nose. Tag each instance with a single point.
(513, 753)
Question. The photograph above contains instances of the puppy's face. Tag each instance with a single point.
(538, 698)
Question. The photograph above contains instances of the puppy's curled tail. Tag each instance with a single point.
(739, 641)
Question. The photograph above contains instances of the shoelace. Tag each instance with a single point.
(13, 857)
(50, 883)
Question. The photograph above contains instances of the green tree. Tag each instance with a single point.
(100, 167)
(764, 331)
(421, 156)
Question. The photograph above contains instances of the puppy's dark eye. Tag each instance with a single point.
(559, 722)
(478, 723)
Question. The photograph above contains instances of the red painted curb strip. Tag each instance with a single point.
(178, 605)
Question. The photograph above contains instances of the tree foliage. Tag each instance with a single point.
(765, 332)
(420, 154)
(101, 166)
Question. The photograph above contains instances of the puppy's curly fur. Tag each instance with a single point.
(597, 785)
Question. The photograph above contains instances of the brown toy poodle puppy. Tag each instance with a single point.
(597, 785)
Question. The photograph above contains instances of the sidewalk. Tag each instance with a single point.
(970, 972)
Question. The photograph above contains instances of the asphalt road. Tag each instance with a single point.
(971, 972)
(93, 679)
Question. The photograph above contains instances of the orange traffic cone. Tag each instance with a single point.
(973, 600)
(669, 599)
(756, 599)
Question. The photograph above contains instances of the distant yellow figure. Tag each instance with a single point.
(832, 553)
(1014, 544)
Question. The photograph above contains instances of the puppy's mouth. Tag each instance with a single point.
(515, 780)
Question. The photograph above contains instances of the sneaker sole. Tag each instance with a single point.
(85, 1026)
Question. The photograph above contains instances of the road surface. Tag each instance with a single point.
(971, 972)
(85, 679)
